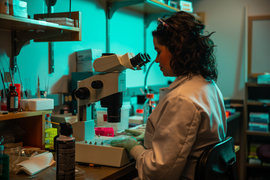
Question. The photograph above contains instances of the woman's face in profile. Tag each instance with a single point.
(163, 58)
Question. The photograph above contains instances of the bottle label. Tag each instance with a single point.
(14, 102)
(65, 160)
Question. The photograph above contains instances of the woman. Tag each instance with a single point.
(192, 115)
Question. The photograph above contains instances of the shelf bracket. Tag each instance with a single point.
(24, 36)
(111, 7)
(20, 38)
(115, 5)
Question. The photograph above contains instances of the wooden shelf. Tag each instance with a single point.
(257, 103)
(257, 166)
(69, 33)
(25, 25)
(257, 133)
(23, 114)
(8, 22)
(254, 84)
(256, 100)
(33, 125)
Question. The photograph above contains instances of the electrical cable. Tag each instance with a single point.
(22, 88)
(9, 71)
(6, 80)
(3, 82)
(145, 78)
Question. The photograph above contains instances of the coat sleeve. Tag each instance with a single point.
(175, 125)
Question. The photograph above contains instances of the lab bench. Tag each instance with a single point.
(91, 173)
(125, 172)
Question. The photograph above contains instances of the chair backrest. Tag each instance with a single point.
(218, 162)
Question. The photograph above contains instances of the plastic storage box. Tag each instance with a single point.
(104, 131)
(102, 117)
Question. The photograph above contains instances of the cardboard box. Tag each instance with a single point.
(85, 59)
(95, 152)
(4, 7)
(186, 6)
(18, 8)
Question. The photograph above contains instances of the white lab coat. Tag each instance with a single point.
(189, 118)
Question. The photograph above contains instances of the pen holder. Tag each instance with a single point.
(4, 159)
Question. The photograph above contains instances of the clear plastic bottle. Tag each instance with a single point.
(148, 107)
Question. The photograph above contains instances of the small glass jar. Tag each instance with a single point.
(12, 100)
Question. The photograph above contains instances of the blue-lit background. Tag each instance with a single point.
(127, 35)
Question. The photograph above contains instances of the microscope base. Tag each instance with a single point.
(100, 153)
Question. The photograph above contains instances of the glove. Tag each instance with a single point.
(127, 143)
(139, 135)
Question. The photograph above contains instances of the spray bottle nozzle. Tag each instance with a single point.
(66, 129)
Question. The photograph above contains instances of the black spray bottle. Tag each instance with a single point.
(65, 157)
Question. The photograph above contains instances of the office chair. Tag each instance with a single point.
(218, 162)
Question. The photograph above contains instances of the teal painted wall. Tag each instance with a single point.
(126, 32)
(127, 35)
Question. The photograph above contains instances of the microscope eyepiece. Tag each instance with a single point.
(140, 59)
(147, 57)
(82, 93)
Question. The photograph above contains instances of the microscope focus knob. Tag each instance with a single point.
(97, 84)
(82, 93)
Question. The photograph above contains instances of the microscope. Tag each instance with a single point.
(107, 86)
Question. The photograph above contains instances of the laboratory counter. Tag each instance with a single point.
(106, 172)
(90, 173)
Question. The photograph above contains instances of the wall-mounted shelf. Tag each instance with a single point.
(8, 22)
(25, 29)
(143, 6)
(69, 33)
(152, 9)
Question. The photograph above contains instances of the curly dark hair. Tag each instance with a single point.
(192, 52)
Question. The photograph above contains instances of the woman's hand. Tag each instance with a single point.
(138, 134)
(127, 142)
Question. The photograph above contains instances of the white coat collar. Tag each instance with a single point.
(179, 80)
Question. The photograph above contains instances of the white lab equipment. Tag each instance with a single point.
(101, 113)
(148, 106)
(107, 86)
